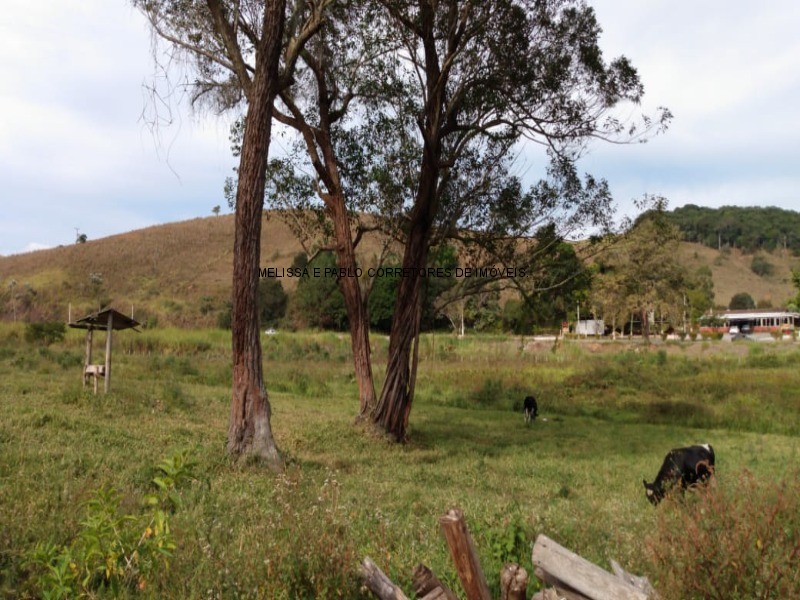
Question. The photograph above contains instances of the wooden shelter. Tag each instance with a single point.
(109, 320)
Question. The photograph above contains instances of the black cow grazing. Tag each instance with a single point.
(686, 466)
(530, 408)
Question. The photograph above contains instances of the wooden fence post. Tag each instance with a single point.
(464, 556)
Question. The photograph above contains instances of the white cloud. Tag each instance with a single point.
(74, 152)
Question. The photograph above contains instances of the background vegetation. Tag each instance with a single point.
(748, 228)
(612, 410)
(179, 275)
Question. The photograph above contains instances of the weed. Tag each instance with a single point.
(172, 474)
(507, 542)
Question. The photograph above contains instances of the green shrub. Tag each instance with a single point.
(224, 317)
(491, 393)
(737, 539)
(46, 333)
(761, 266)
(68, 359)
(115, 551)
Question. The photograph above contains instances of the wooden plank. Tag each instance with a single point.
(546, 594)
(378, 583)
(561, 590)
(462, 549)
(561, 566)
(639, 582)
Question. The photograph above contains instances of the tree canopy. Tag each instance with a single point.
(411, 111)
(742, 301)
(641, 273)
(749, 228)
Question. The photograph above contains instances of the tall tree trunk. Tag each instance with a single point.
(394, 405)
(356, 306)
(250, 431)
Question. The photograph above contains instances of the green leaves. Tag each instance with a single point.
(114, 550)
(173, 473)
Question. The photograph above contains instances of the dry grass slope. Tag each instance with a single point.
(166, 270)
(162, 269)
(732, 274)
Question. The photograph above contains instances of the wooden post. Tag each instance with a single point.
(88, 354)
(513, 582)
(107, 377)
(464, 556)
(428, 587)
(378, 583)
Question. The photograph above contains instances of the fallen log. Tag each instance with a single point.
(378, 583)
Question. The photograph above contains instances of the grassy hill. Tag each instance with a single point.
(166, 271)
(180, 273)
(732, 273)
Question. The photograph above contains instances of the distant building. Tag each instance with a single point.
(754, 321)
(590, 327)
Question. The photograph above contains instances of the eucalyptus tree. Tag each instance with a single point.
(476, 78)
(328, 183)
(644, 269)
(236, 51)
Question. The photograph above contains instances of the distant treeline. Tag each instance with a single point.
(747, 228)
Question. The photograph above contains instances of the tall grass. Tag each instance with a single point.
(737, 539)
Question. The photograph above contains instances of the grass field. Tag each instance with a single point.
(612, 410)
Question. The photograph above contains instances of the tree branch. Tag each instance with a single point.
(227, 34)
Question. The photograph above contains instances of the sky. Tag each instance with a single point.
(79, 153)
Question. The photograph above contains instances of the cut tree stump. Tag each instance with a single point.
(513, 582)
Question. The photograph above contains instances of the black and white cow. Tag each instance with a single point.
(684, 466)
(530, 408)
